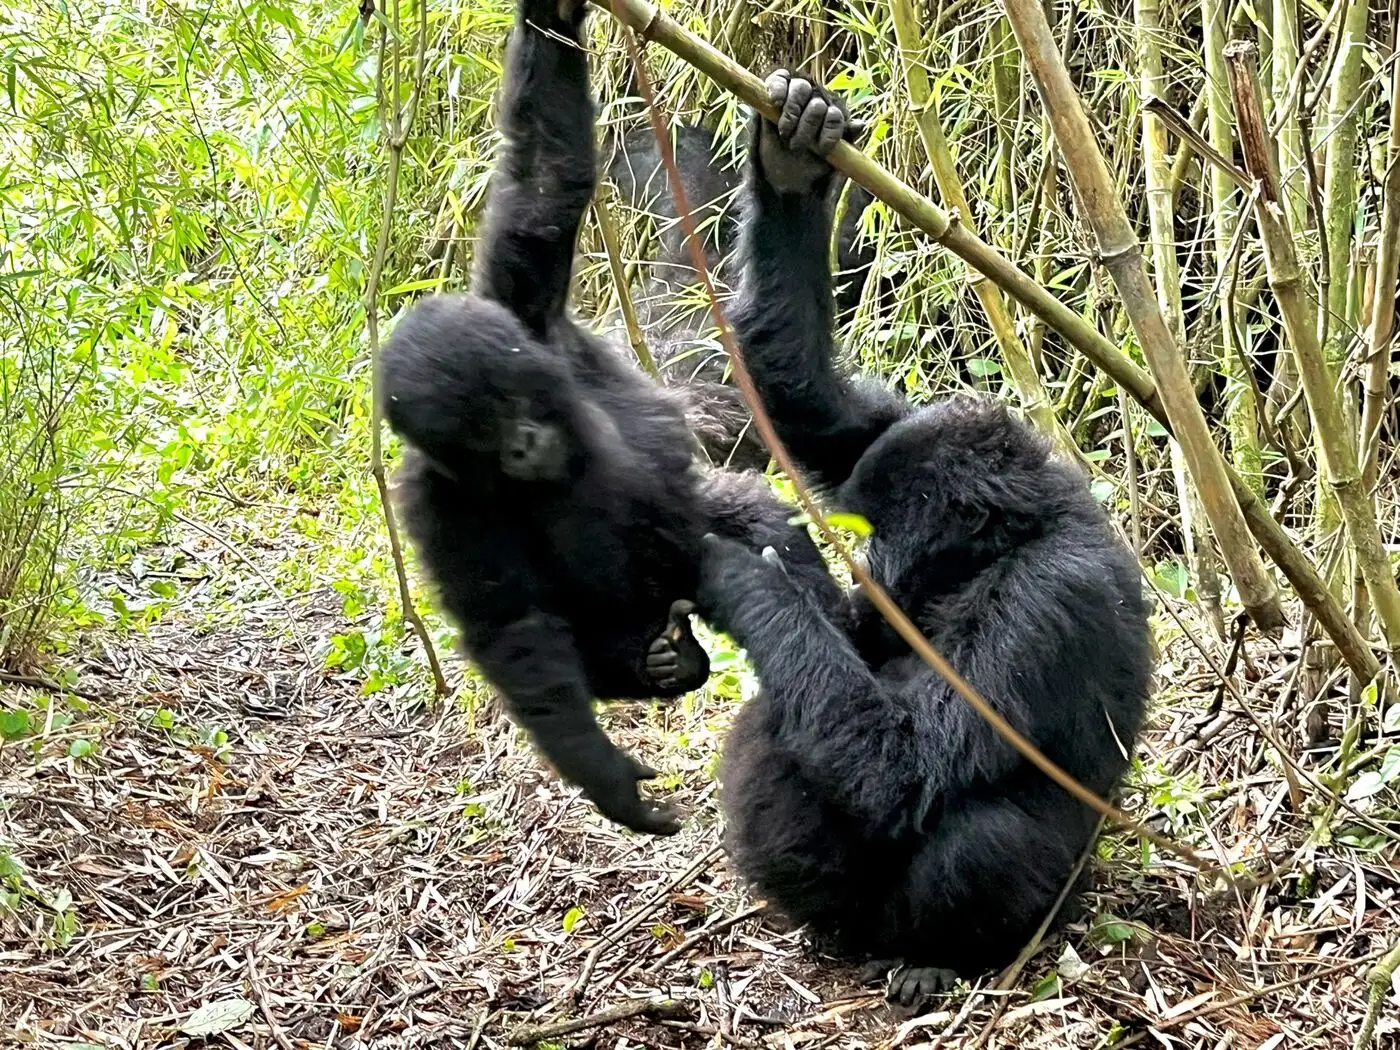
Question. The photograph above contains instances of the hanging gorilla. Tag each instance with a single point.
(549, 487)
(863, 796)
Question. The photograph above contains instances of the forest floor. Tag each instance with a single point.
(229, 842)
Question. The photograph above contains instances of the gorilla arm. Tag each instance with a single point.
(545, 176)
(866, 743)
(532, 663)
(784, 316)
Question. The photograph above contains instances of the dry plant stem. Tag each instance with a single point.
(607, 226)
(1012, 973)
(703, 934)
(945, 174)
(869, 587)
(37, 682)
(1319, 382)
(1379, 349)
(657, 1006)
(1121, 255)
(396, 120)
(1009, 976)
(660, 28)
(1248, 997)
(260, 997)
(633, 921)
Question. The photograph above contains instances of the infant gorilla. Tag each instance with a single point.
(550, 488)
(863, 796)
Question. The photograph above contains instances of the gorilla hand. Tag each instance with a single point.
(676, 662)
(811, 120)
(618, 800)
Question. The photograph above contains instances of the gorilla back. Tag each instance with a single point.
(863, 796)
(550, 488)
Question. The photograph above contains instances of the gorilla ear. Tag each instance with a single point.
(976, 517)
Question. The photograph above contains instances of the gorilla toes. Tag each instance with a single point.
(911, 985)
(676, 662)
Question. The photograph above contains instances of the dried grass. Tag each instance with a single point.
(367, 873)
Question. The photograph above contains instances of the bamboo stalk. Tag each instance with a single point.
(658, 27)
(1379, 349)
(1166, 270)
(945, 173)
(1300, 323)
(1287, 47)
(1336, 324)
(1240, 410)
(1122, 257)
(607, 226)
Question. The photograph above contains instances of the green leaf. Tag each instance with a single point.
(1110, 929)
(14, 724)
(571, 918)
(852, 523)
(81, 748)
(1171, 576)
(1046, 988)
(983, 367)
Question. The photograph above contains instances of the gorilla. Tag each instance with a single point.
(549, 487)
(676, 324)
(862, 796)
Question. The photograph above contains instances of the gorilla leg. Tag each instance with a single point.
(979, 886)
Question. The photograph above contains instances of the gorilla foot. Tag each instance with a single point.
(907, 986)
(911, 986)
(676, 662)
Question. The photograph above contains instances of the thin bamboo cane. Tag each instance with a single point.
(1300, 322)
(1379, 346)
(1166, 269)
(945, 174)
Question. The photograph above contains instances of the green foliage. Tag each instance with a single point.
(182, 242)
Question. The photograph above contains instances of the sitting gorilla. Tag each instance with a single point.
(549, 487)
(674, 314)
(863, 796)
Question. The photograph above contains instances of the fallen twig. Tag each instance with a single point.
(657, 1006)
(38, 682)
(634, 920)
(700, 935)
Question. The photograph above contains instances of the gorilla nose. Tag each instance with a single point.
(533, 451)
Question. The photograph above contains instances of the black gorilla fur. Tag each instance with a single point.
(862, 795)
(549, 486)
(674, 316)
